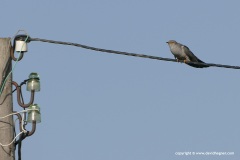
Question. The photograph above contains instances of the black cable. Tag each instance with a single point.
(20, 147)
(19, 143)
(130, 54)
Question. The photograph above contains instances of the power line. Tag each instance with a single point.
(130, 54)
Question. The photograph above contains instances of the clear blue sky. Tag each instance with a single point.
(99, 106)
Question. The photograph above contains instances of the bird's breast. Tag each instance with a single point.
(177, 51)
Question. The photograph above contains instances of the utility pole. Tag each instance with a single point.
(6, 124)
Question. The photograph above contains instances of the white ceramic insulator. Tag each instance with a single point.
(21, 46)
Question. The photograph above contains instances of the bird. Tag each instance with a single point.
(182, 52)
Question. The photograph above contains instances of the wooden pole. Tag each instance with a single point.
(6, 106)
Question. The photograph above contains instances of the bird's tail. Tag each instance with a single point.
(199, 65)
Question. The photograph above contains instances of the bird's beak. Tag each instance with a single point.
(166, 42)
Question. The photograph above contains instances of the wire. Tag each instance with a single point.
(22, 127)
(22, 83)
(5, 98)
(130, 54)
(23, 116)
(19, 112)
(4, 145)
(19, 143)
(4, 82)
(20, 147)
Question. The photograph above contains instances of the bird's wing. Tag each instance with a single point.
(192, 57)
(189, 54)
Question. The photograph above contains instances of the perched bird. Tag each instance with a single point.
(182, 52)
